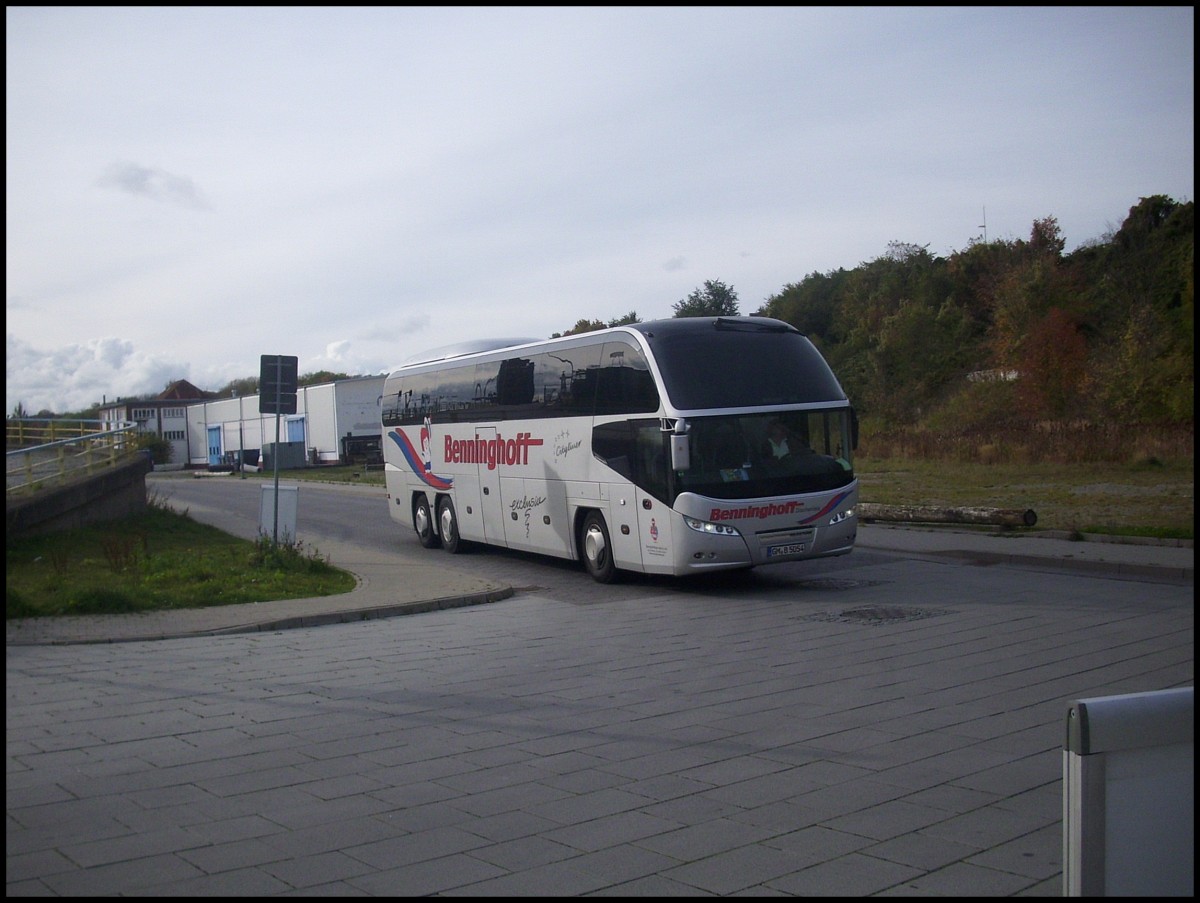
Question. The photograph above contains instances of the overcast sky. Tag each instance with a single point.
(189, 189)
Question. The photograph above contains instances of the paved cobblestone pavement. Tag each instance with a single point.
(894, 729)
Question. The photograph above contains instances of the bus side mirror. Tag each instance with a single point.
(681, 455)
(854, 429)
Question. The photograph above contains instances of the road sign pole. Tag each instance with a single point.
(275, 539)
(277, 395)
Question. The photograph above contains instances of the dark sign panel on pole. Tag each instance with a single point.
(277, 395)
(277, 384)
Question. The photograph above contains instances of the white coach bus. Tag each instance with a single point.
(675, 446)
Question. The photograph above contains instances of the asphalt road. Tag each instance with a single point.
(358, 515)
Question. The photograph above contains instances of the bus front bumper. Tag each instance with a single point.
(709, 553)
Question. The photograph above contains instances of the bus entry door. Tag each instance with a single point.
(491, 507)
(654, 531)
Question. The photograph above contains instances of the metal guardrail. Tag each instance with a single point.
(25, 432)
(42, 453)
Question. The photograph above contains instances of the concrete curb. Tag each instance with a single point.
(364, 614)
(68, 637)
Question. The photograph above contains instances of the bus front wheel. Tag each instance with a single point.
(597, 549)
(423, 523)
(448, 521)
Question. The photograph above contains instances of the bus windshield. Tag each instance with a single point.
(735, 456)
(739, 362)
(770, 454)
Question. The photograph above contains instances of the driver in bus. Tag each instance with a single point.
(782, 442)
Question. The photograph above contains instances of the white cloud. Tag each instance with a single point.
(74, 377)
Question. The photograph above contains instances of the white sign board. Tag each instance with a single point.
(288, 502)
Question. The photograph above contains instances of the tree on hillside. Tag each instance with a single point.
(1139, 292)
(1052, 366)
(808, 305)
(715, 299)
(239, 388)
(1033, 285)
(581, 326)
(320, 376)
(586, 325)
(631, 317)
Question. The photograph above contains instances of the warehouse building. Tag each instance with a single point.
(335, 423)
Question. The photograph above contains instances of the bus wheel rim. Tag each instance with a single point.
(595, 545)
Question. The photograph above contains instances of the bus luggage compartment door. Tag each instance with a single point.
(535, 516)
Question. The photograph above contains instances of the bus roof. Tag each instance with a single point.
(704, 363)
(679, 325)
(458, 349)
(648, 328)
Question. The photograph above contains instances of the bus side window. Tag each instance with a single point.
(456, 389)
(577, 371)
(653, 470)
(625, 384)
(393, 408)
(637, 450)
(487, 375)
(514, 385)
(420, 390)
(612, 444)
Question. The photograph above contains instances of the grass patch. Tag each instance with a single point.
(1145, 498)
(157, 560)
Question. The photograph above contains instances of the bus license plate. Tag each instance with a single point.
(793, 549)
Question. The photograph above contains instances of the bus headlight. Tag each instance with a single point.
(841, 516)
(711, 529)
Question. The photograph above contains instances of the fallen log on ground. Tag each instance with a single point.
(917, 514)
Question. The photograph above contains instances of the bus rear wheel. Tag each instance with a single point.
(423, 523)
(448, 521)
(597, 549)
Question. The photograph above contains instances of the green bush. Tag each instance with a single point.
(159, 448)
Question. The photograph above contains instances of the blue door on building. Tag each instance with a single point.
(295, 429)
(214, 445)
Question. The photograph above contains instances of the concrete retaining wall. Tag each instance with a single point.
(110, 495)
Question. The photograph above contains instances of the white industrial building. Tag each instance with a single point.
(335, 423)
(165, 415)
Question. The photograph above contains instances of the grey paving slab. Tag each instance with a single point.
(852, 875)
(650, 741)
